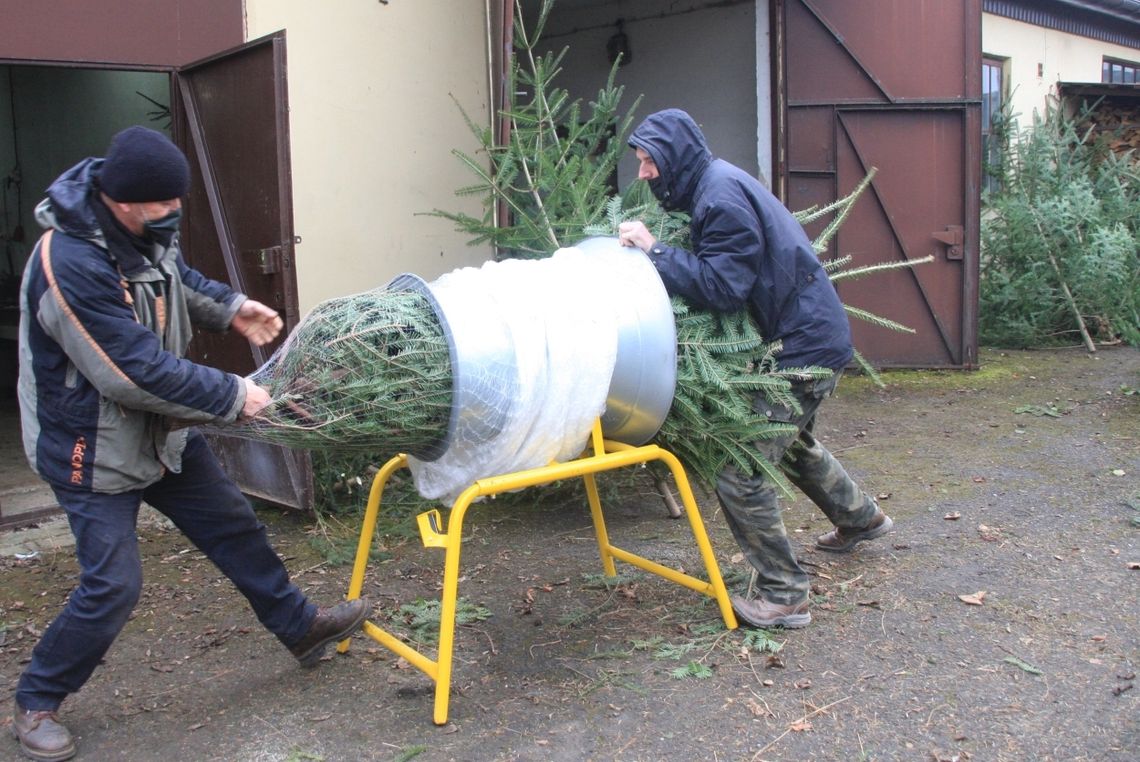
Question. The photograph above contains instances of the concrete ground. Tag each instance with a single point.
(29, 518)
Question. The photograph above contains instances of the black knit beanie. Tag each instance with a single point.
(143, 165)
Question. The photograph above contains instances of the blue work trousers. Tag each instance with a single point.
(210, 510)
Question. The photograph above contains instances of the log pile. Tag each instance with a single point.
(1117, 122)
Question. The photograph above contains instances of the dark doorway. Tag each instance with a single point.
(50, 118)
(228, 113)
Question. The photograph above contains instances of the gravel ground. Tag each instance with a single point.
(998, 621)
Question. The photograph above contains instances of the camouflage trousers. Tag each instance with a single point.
(751, 503)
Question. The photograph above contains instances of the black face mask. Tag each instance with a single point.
(164, 225)
(661, 191)
(162, 230)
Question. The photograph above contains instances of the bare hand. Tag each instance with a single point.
(256, 322)
(255, 399)
(635, 234)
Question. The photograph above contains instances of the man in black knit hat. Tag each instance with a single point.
(107, 308)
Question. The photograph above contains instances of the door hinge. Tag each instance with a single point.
(953, 238)
(268, 261)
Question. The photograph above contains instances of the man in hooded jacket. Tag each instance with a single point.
(107, 307)
(749, 252)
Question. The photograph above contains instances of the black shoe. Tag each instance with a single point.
(330, 625)
(41, 735)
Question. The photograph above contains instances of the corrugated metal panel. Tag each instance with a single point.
(1116, 22)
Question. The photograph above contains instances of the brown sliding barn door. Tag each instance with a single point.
(895, 85)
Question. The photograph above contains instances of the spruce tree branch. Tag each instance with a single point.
(540, 92)
(1045, 240)
(845, 205)
(869, 369)
(538, 202)
(865, 270)
(878, 320)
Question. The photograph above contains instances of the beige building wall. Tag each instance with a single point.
(372, 125)
(1061, 57)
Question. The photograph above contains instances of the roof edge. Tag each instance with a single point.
(1114, 21)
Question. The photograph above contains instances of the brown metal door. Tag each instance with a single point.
(897, 86)
(231, 117)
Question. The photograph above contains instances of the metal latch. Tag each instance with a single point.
(269, 261)
(952, 237)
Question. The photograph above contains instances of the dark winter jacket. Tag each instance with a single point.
(102, 334)
(748, 250)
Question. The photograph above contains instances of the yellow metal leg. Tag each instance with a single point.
(599, 525)
(448, 603)
(698, 527)
(367, 530)
(605, 456)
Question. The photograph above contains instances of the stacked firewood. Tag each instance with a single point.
(1117, 121)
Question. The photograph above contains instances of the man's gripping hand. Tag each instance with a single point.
(256, 398)
(635, 234)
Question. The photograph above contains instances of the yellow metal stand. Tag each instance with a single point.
(605, 456)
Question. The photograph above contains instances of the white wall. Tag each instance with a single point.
(1062, 58)
(372, 125)
(696, 55)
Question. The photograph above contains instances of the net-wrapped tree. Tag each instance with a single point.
(360, 372)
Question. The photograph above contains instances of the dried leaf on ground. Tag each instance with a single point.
(989, 534)
(757, 709)
(974, 599)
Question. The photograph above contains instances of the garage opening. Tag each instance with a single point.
(50, 118)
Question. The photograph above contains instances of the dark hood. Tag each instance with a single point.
(73, 206)
(681, 153)
(68, 204)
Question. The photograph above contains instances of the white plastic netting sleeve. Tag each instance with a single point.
(533, 397)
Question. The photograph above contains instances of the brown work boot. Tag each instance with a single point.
(330, 625)
(41, 735)
(760, 612)
(843, 540)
